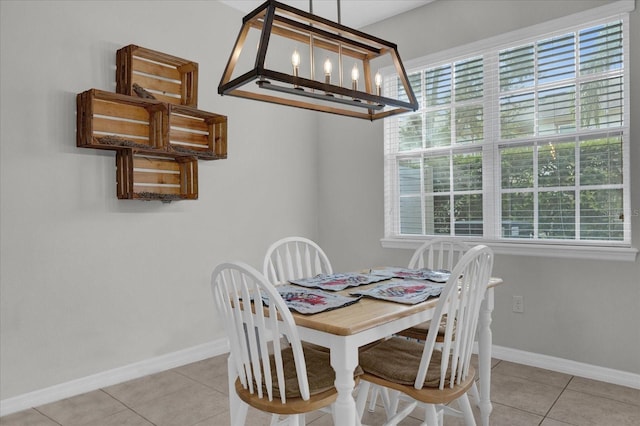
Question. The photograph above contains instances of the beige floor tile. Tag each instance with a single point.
(551, 422)
(607, 390)
(378, 418)
(148, 388)
(185, 407)
(211, 372)
(85, 409)
(533, 397)
(27, 418)
(124, 418)
(254, 418)
(581, 409)
(500, 416)
(474, 362)
(324, 420)
(534, 374)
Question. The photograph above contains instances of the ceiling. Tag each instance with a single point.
(354, 13)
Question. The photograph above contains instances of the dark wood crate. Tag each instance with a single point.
(113, 121)
(199, 133)
(164, 177)
(167, 78)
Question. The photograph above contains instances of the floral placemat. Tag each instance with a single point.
(337, 282)
(309, 301)
(435, 275)
(408, 292)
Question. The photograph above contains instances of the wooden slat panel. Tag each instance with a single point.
(193, 123)
(156, 69)
(120, 127)
(154, 55)
(157, 189)
(121, 110)
(168, 99)
(221, 139)
(156, 177)
(188, 137)
(140, 162)
(151, 83)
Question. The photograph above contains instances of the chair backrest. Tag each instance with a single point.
(438, 253)
(254, 332)
(293, 258)
(460, 301)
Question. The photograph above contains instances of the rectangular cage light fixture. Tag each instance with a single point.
(295, 58)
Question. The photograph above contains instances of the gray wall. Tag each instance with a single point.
(581, 310)
(88, 282)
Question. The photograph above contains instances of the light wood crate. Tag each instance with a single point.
(112, 121)
(167, 78)
(199, 133)
(148, 176)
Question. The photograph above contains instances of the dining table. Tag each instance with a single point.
(349, 328)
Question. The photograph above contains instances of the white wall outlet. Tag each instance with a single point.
(518, 304)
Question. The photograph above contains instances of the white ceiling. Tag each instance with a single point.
(354, 13)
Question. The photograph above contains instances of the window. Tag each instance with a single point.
(516, 142)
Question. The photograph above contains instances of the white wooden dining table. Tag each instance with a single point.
(346, 329)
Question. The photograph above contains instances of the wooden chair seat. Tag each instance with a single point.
(394, 364)
(292, 406)
(419, 332)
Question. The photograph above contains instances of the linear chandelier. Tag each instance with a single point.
(299, 59)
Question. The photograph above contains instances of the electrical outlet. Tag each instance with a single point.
(518, 304)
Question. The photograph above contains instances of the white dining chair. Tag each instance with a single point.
(293, 258)
(437, 253)
(268, 364)
(432, 374)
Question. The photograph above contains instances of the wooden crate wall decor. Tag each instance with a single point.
(153, 124)
(199, 133)
(110, 121)
(163, 177)
(149, 73)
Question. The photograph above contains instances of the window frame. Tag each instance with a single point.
(592, 249)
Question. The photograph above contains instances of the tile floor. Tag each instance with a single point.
(196, 395)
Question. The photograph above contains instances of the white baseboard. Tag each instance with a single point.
(221, 346)
(113, 377)
(566, 366)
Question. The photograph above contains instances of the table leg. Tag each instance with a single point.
(484, 357)
(344, 360)
(237, 409)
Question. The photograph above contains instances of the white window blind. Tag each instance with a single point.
(521, 142)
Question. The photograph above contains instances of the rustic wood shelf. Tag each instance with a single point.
(111, 121)
(168, 78)
(163, 177)
(153, 124)
(199, 133)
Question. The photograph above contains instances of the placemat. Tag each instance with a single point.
(337, 282)
(408, 292)
(309, 301)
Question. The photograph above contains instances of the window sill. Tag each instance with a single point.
(626, 254)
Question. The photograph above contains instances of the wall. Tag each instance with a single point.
(579, 310)
(90, 283)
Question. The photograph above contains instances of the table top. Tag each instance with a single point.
(365, 314)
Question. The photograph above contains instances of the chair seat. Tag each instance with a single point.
(293, 405)
(419, 332)
(321, 377)
(394, 364)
